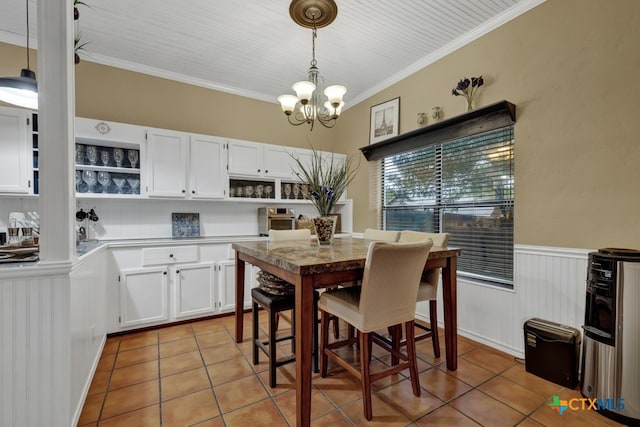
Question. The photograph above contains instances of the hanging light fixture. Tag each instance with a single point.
(306, 106)
(23, 90)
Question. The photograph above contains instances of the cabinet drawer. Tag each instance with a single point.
(168, 255)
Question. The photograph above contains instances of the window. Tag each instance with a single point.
(465, 188)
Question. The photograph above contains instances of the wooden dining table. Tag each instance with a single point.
(307, 266)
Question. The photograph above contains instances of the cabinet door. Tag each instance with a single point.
(227, 285)
(305, 156)
(167, 163)
(195, 289)
(245, 158)
(207, 172)
(143, 296)
(15, 151)
(277, 162)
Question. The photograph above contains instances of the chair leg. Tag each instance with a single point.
(256, 334)
(433, 319)
(411, 356)
(336, 327)
(395, 332)
(272, 348)
(324, 340)
(277, 322)
(365, 377)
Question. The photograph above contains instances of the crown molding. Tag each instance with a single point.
(499, 20)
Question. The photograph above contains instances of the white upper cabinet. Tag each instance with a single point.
(166, 163)
(244, 158)
(252, 159)
(182, 165)
(277, 162)
(207, 174)
(15, 172)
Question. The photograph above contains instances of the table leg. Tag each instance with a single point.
(450, 300)
(304, 334)
(239, 298)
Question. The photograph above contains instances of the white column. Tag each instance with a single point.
(56, 112)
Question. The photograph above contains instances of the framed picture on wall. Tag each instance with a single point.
(385, 120)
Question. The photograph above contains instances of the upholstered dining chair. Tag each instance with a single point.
(428, 289)
(381, 235)
(387, 297)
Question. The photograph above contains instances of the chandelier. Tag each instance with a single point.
(306, 106)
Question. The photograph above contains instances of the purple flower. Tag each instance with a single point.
(468, 88)
(463, 84)
(315, 194)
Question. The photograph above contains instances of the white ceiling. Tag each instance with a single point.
(253, 48)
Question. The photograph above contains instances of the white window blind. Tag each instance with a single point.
(465, 188)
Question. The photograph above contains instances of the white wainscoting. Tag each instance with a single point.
(52, 330)
(549, 283)
(35, 349)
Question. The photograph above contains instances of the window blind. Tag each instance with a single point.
(464, 187)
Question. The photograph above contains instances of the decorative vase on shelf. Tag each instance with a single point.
(468, 88)
(325, 229)
(469, 105)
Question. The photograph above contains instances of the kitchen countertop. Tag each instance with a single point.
(83, 249)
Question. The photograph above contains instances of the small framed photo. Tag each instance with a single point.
(385, 120)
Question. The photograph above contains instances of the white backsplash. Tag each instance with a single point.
(15, 204)
(149, 218)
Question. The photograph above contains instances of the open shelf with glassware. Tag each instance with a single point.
(249, 189)
(107, 168)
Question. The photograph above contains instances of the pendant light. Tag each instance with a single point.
(306, 106)
(23, 90)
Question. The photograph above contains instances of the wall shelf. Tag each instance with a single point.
(480, 120)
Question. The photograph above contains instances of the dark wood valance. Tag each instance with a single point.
(481, 120)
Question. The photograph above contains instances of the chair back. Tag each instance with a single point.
(439, 239)
(300, 234)
(390, 283)
(429, 284)
(381, 235)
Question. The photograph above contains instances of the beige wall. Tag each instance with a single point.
(570, 66)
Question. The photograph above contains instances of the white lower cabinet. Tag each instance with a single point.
(143, 296)
(163, 284)
(195, 287)
(227, 286)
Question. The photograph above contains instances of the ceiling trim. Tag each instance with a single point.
(156, 72)
(456, 44)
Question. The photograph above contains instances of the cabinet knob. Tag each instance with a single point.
(164, 272)
(193, 191)
(266, 171)
(177, 271)
(184, 191)
(170, 255)
(258, 170)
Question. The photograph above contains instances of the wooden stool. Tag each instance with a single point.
(272, 304)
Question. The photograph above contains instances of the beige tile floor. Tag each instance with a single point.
(195, 374)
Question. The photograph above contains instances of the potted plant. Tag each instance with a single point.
(327, 181)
